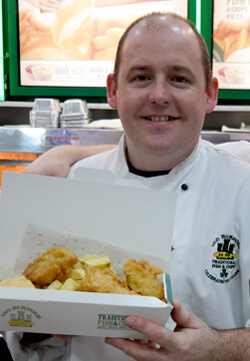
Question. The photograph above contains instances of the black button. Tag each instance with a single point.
(184, 186)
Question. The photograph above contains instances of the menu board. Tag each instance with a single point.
(73, 42)
(231, 43)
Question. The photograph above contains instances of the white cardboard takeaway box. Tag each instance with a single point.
(137, 220)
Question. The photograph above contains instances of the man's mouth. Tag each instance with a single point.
(160, 118)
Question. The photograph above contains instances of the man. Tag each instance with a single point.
(162, 89)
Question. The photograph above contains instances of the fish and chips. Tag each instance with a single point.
(60, 269)
(231, 36)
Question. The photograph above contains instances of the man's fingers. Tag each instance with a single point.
(146, 351)
(184, 318)
(168, 341)
(152, 331)
(161, 335)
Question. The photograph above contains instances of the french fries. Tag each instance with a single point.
(232, 36)
(70, 285)
(55, 285)
(95, 261)
(71, 281)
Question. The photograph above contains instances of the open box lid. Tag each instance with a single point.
(132, 217)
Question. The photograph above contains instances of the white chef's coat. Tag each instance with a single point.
(211, 241)
(240, 149)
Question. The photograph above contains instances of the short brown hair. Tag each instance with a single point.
(151, 19)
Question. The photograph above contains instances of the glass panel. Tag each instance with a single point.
(73, 44)
(231, 44)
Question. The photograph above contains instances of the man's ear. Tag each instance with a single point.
(111, 91)
(212, 95)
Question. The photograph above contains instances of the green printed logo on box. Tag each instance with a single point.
(20, 316)
(113, 322)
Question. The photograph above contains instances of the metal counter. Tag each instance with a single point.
(39, 140)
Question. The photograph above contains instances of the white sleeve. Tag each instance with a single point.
(240, 149)
(50, 349)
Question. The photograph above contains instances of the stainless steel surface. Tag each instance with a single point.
(39, 140)
(232, 108)
(22, 104)
(223, 137)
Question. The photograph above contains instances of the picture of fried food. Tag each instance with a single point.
(232, 36)
(104, 280)
(81, 30)
(74, 27)
(101, 3)
(49, 53)
(109, 29)
(142, 278)
(33, 33)
(50, 265)
(17, 281)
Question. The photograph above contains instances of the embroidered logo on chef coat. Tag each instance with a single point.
(224, 263)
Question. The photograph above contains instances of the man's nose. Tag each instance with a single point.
(160, 92)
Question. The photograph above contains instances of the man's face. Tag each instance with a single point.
(160, 94)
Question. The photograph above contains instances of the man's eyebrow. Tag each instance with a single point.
(139, 68)
(148, 67)
(180, 68)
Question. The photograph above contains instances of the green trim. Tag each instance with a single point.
(169, 288)
(12, 42)
(2, 98)
(207, 23)
(225, 94)
(192, 11)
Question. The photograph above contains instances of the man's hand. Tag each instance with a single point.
(192, 340)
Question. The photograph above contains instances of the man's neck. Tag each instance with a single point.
(144, 173)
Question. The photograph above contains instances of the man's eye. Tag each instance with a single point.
(141, 78)
(179, 79)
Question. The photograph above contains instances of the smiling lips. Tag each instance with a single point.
(160, 118)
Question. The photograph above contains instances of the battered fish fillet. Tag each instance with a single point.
(17, 281)
(50, 265)
(142, 278)
(104, 281)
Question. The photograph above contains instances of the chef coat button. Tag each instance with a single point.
(184, 186)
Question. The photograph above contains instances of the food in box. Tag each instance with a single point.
(93, 277)
(95, 214)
